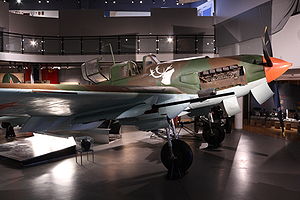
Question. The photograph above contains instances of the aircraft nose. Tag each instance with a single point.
(278, 68)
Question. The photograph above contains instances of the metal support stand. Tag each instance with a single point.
(80, 152)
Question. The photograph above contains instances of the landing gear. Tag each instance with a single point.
(214, 126)
(176, 155)
(177, 161)
(213, 134)
(9, 129)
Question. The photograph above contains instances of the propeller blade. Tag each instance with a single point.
(268, 44)
(267, 48)
(276, 100)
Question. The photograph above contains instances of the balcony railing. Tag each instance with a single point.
(92, 45)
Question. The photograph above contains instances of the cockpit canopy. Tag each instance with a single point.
(94, 72)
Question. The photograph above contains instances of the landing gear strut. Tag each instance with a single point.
(176, 155)
(213, 134)
(213, 127)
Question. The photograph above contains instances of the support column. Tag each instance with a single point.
(238, 118)
(31, 76)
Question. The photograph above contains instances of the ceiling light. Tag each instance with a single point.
(141, 1)
(114, 1)
(132, 1)
(40, 1)
(105, 1)
(48, 1)
(19, 1)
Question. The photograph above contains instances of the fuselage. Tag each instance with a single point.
(194, 75)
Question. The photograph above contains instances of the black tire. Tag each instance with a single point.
(182, 152)
(214, 136)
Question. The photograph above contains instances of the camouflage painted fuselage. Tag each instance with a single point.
(185, 75)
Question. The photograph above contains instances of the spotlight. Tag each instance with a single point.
(141, 1)
(47, 1)
(132, 1)
(33, 43)
(40, 1)
(169, 39)
(114, 2)
(105, 2)
(19, 1)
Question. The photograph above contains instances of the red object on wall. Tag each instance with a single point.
(51, 75)
(27, 75)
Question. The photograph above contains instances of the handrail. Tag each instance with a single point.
(97, 45)
(208, 35)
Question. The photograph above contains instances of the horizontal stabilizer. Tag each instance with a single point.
(262, 93)
(231, 106)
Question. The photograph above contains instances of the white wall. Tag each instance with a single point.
(286, 43)
(253, 46)
(229, 50)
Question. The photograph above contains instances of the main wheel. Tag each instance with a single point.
(183, 156)
(213, 135)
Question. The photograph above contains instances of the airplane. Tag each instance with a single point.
(148, 96)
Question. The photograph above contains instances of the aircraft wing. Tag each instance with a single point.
(42, 107)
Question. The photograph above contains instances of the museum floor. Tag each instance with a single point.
(247, 166)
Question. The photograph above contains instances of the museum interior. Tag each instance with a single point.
(150, 99)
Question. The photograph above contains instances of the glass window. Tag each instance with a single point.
(90, 45)
(72, 45)
(205, 44)
(147, 44)
(106, 42)
(128, 44)
(52, 45)
(12, 43)
(165, 44)
(185, 44)
(32, 45)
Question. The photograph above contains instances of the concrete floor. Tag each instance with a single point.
(247, 166)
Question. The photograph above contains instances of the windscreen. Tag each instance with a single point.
(93, 72)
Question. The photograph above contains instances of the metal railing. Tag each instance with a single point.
(92, 45)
